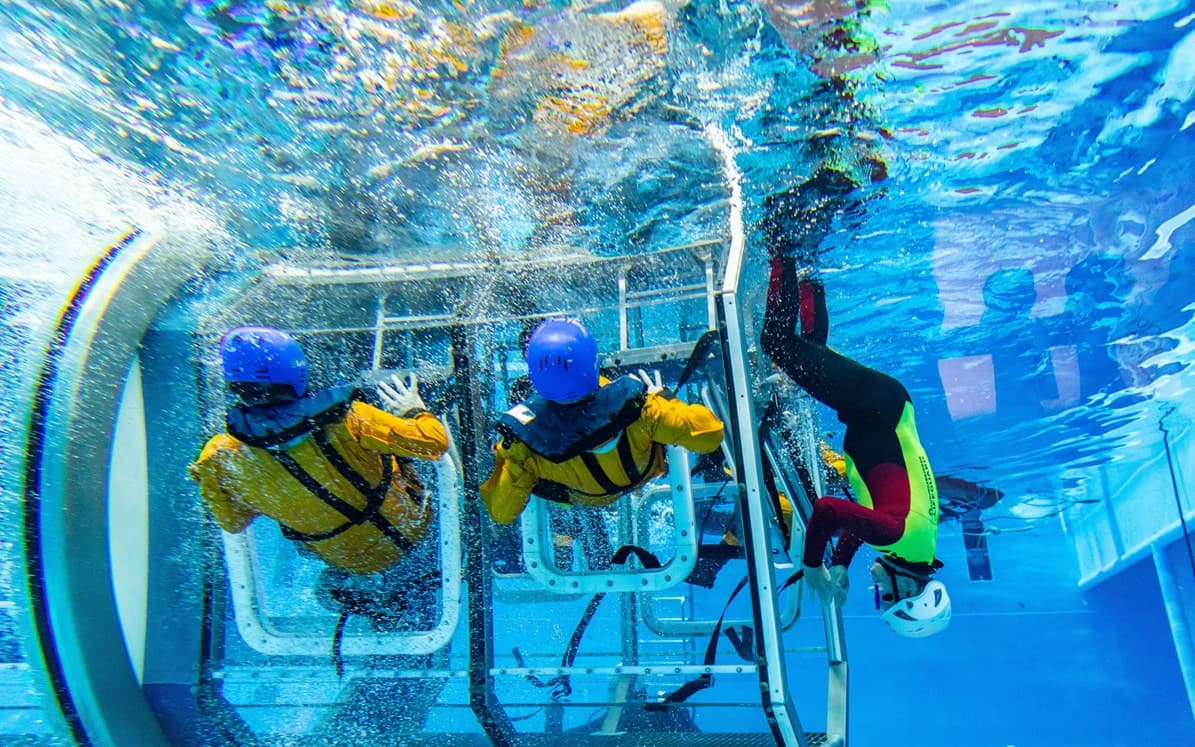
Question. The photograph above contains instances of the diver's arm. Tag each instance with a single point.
(421, 435)
(821, 528)
(845, 548)
(217, 487)
(692, 426)
(509, 486)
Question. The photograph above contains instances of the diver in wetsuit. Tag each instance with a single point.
(581, 439)
(897, 508)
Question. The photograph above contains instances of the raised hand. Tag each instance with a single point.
(654, 386)
(401, 398)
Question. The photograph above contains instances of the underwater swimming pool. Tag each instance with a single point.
(1013, 252)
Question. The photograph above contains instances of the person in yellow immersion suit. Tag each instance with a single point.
(333, 471)
(580, 438)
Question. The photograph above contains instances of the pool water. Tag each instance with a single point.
(1013, 250)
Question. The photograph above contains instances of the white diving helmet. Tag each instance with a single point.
(922, 615)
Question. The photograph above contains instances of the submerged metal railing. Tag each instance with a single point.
(469, 317)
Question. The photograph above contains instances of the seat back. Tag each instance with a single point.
(634, 521)
(250, 563)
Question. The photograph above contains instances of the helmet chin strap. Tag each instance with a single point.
(896, 569)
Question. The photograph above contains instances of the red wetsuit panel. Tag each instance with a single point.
(882, 525)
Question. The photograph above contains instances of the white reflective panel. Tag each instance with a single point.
(128, 519)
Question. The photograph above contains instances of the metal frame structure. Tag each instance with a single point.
(470, 338)
(537, 542)
(261, 634)
(112, 311)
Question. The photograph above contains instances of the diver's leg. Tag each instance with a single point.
(792, 298)
(829, 376)
(854, 524)
(815, 318)
(796, 220)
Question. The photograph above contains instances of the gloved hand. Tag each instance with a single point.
(841, 583)
(399, 398)
(817, 580)
(654, 386)
(827, 584)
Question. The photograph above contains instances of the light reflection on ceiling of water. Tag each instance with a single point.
(1019, 267)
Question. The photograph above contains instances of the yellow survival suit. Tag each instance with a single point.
(332, 471)
(598, 449)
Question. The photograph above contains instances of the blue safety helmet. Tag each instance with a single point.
(263, 355)
(562, 360)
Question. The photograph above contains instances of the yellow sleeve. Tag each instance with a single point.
(216, 485)
(509, 486)
(420, 436)
(694, 427)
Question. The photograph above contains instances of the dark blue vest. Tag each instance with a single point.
(266, 426)
(561, 432)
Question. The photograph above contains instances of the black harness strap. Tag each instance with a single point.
(636, 476)
(628, 459)
(589, 459)
(374, 495)
(373, 606)
(333, 501)
(742, 643)
(337, 639)
(392, 533)
(296, 536)
(558, 493)
(553, 491)
(554, 683)
(646, 558)
(561, 685)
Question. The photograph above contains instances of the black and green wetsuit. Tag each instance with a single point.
(897, 512)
